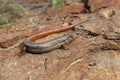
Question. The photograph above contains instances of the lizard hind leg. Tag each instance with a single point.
(64, 48)
(65, 43)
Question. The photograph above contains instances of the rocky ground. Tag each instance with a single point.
(92, 56)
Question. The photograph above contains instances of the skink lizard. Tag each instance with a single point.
(35, 47)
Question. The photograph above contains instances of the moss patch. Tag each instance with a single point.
(57, 3)
(7, 11)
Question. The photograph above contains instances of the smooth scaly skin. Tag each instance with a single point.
(35, 47)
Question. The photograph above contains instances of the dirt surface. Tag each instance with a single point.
(92, 56)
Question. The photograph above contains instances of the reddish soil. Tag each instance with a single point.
(92, 56)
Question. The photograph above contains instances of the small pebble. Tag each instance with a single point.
(65, 24)
(107, 13)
